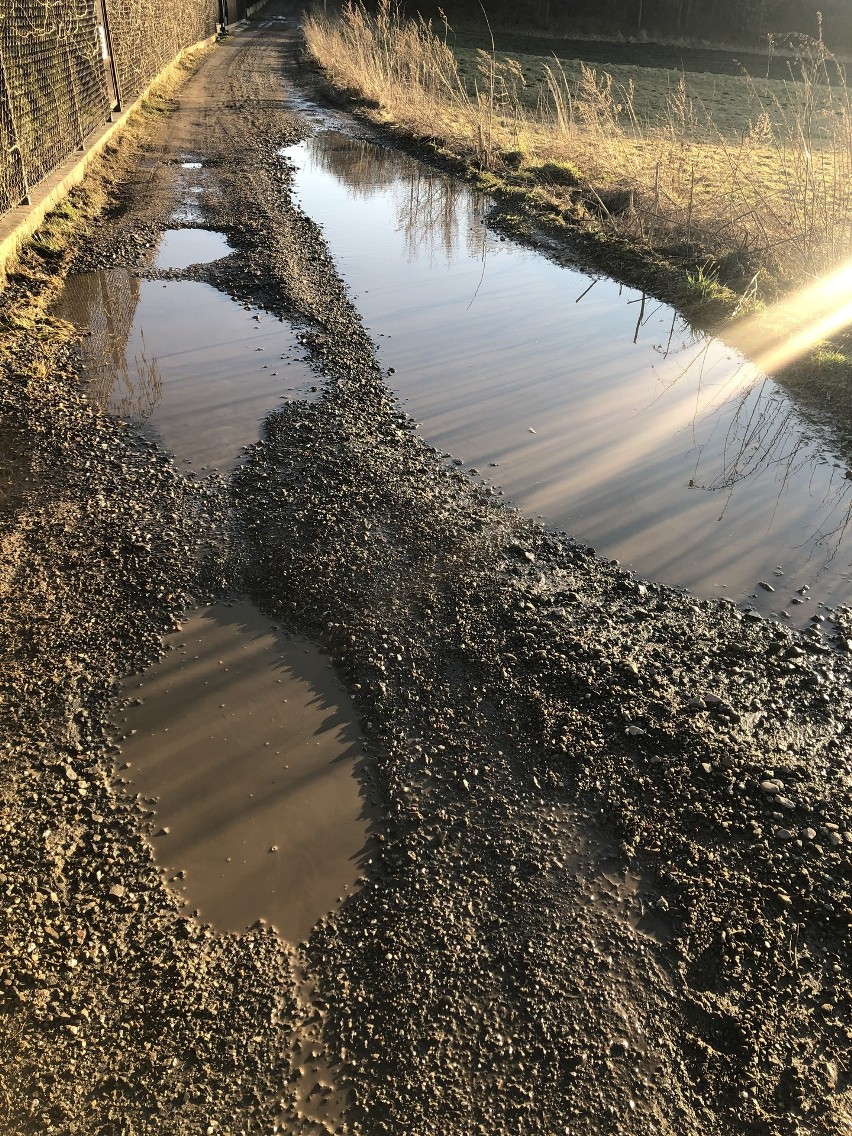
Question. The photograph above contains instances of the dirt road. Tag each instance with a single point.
(609, 891)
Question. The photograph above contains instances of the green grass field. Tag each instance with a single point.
(722, 104)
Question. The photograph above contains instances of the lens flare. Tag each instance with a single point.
(790, 328)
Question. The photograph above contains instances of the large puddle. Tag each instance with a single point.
(591, 405)
(181, 359)
(244, 743)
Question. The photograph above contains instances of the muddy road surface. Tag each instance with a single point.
(604, 884)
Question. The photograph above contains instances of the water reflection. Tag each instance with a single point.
(183, 360)
(436, 216)
(604, 412)
(105, 304)
(247, 745)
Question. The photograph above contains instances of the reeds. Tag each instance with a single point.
(774, 200)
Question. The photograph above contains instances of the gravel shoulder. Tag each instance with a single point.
(610, 885)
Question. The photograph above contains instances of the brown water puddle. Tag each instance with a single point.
(591, 405)
(246, 744)
(182, 360)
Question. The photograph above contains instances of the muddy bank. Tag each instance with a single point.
(611, 886)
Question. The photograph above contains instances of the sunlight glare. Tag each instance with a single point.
(789, 329)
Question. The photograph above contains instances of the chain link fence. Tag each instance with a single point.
(148, 34)
(64, 65)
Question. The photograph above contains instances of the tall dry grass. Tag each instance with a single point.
(776, 201)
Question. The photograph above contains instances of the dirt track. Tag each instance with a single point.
(610, 891)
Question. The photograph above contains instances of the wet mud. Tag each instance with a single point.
(610, 880)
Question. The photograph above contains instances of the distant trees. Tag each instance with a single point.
(744, 22)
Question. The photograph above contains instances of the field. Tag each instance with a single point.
(725, 104)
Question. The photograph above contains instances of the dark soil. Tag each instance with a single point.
(610, 892)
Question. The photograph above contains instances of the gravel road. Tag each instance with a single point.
(609, 885)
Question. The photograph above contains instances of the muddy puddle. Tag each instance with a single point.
(179, 248)
(587, 403)
(182, 360)
(245, 746)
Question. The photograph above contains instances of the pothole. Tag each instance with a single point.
(179, 248)
(246, 746)
(179, 358)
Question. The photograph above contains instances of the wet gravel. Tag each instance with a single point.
(609, 891)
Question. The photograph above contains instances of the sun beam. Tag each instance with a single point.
(789, 329)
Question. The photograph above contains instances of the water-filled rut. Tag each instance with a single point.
(587, 403)
(245, 743)
(241, 738)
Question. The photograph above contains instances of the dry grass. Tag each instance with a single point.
(765, 191)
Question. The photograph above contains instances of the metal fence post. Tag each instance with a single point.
(116, 86)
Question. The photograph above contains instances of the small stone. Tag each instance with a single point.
(766, 587)
(117, 891)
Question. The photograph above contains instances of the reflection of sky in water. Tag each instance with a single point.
(183, 359)
(605, 413)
